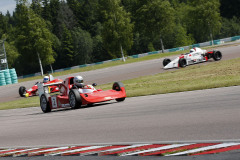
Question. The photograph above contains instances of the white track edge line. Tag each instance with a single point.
(158, 149)
(223, 145)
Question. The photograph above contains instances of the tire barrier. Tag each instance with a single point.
(2, 79)
(13, 74)
(8, 76)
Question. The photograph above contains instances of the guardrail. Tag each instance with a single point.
(204, 44)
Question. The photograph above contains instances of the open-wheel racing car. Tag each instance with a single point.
(76, 97)
(196, 55)
(34, 90)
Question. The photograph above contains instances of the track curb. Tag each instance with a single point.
(126, 149)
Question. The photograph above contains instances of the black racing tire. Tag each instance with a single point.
(74, 99)
(117, 87)
(44, 103)
(166, 61)
(22, 91)
(120, 99)
(182, 62)
(90, 105)
(217, 55)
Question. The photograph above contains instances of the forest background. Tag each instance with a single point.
(67, 33)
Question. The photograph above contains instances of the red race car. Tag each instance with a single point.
(34, 90)
(76, 97)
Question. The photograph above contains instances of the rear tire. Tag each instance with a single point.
(90, 105)
(44, 103)
(166, 61)
(22, 91)
(74, 99)
(217, 55)
(182, 62)
(117, 87)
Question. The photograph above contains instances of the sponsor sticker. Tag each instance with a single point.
(54, 102)
(3, 61)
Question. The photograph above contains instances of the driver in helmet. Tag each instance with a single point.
(192, 50)
(78, 84)
(45, 79)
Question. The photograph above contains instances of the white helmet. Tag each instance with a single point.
(78, 80)
(45, 79)
(192, 50)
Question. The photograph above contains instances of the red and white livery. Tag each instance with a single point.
(196, 55)
(76, 97)
(34, 90)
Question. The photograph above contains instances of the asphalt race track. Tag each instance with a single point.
(211, 114)
(117, 73)
(202, 115)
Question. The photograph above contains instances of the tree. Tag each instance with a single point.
(67, 53)
(3, 24)
(230, 8)
(83, 46)
(12, 54)
(230, 27)
(155, 18)
(204, 19)
(180, 36)
(36, 7)
(117, 30)
(32, 38)
(65, 18)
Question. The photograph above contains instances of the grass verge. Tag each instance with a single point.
(21, 103)
(195, 77)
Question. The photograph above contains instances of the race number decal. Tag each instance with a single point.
(54, 102)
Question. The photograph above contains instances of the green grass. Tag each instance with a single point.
(195, 77)
(22, 103)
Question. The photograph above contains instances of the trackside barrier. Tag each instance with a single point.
(8, 76)
(204, 44)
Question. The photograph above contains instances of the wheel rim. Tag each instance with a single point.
(218, 56)
(72, 99)
(46, 89)
(43, 103)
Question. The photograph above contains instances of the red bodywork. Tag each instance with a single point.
(62, 100)
(33, 91)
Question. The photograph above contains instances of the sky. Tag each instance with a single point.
(7, 5)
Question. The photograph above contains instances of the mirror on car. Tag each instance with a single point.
(94, 84)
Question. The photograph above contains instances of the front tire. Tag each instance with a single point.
(182, 62)
(217, 55)
(117, 87)
(44, 103)
(22, 91)
(166, 61)
(74, 99)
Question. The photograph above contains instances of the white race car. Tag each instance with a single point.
(196, 55)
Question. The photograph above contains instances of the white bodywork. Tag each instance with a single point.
(194, 57)
(87, 89)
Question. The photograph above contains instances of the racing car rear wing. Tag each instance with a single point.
(43, 88)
